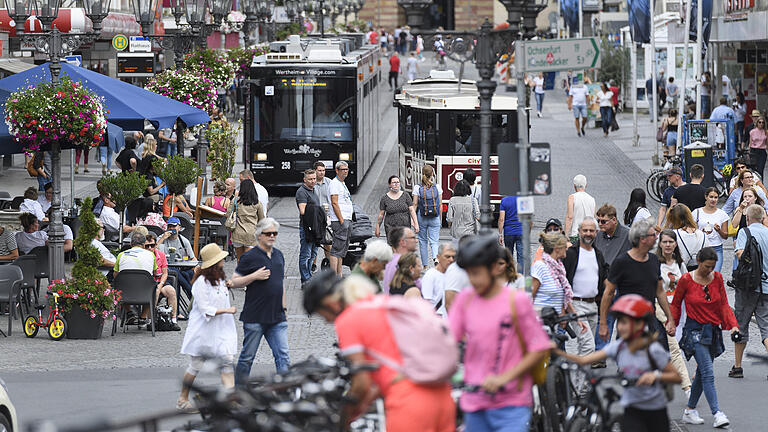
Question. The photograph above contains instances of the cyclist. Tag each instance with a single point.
(640, 357)
(363, 332)
(504, 340)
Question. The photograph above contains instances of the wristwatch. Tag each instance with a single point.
(657, 373)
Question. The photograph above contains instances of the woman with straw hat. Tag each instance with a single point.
(211, 330)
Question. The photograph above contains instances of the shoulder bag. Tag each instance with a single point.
(231, 222)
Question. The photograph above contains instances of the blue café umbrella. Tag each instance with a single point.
(128, 104)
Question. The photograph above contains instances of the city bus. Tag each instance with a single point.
(439, 125)
(312, 100)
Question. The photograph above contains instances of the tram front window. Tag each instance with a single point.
(300, 109)
(467, 138)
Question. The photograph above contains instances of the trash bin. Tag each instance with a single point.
(700, 153)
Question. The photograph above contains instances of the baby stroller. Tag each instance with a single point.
(362, 230)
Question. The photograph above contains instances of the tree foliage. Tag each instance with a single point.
(614, 62)
(124, 187)
(221, 154)
(178, 173)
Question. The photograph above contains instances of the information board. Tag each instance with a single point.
(135, 65)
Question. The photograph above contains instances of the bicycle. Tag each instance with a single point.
(592, 413)
(559, 391)
(657, 182)
(56, 324)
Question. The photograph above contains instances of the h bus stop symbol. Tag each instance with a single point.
(539, 169)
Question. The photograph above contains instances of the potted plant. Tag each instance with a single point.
(187, 87)
(212, 64)
(123, 188)
(177, 172)
(242, 58)
(222, 147)
(67, 111)
(86, 298)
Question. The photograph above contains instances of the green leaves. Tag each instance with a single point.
(178, 172)
(124, 187)
(221, 153)
(614, 62)
(212, 64)
(88, 257)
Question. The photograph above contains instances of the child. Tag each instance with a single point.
(504, 341)
(639, 357)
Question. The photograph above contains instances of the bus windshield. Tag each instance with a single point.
(302, 109)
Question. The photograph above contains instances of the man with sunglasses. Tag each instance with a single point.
(675, 179)
(261, 270)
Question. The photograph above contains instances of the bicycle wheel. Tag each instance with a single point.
(539, 418)
(30, 326)
(661, 185)
(559, 396)
(650, 186)
(58, 328)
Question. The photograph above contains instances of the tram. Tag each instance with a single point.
(439, 125)
(312, 100)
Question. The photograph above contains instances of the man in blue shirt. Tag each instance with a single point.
(722, 111)
(262, 269)
(510, 228)
(748, 301)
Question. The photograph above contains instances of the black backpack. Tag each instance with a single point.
(749, 273)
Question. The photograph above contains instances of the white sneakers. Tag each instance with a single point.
(691, 416)
(721, 420)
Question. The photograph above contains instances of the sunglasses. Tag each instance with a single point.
(270, 233)
(553, 229)
(603, 221)
(707, 297)
(149, 245)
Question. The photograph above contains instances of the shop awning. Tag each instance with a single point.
(14, 66)
(73, 20)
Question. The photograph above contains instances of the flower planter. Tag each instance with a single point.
(80, 325)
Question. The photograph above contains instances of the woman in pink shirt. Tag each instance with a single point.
(757, 147)
(488, 317)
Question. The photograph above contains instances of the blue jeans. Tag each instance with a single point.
(705, 99)
(704, 379)
(277, 337)
(605, 118)
(105, 156)
(41, 182)
(307, 254)
(507, 419)
(429, 229)
(515, 244)
(172, 149)
(599, 342)
(539, 101)
(719, 252)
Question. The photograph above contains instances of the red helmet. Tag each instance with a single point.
(633, 305)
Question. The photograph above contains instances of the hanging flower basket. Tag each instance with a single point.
(187, 87)
(212, 64)
(45, 112)
(242, 58)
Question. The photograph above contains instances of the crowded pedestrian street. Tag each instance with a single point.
(378, 216)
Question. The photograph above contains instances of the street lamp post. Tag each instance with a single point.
(251, 19)
(318, 7)
(55, 45)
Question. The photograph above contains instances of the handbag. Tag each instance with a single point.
(661, 136)
(30, 165)
(231, 222)
(732, 230)
(539, 371)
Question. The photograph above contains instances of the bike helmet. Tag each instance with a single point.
(632, 305)
(481, 250)
(319, 287)
(727, 170)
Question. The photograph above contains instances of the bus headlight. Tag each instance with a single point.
(345, 156)
(261, 156)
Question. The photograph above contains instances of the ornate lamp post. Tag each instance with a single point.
(265, 9)
(356, 6)
(251, 18)
(515, 13)
(55, 45)
(291, 9)
(530, 12)
(318, 7)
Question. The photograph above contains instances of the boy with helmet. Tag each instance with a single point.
(639, 357)
(496, 322)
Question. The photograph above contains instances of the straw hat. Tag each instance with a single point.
(211, 254)
(756, 113)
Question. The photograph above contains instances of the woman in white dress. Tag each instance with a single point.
(211, 330)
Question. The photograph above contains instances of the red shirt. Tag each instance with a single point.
(615, 98)
(374, 38)
(715, 311)
(394, 64)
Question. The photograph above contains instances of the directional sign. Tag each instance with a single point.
(561, 54)
(76, 60)
(120, 42)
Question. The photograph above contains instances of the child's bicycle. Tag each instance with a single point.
(56, 324)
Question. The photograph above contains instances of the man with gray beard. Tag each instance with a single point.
(586, 270)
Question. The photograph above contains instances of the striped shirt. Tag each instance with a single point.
(549, 293)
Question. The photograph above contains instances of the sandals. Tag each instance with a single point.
(186, 406)
(736, 372)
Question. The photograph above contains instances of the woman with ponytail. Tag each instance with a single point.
(428, 199)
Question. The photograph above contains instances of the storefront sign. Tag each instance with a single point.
(738, 9)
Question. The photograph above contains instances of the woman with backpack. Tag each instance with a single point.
(427, 197)
(369, 332)
(707, 315)
(690, 238)
(505, 341)
(639, 357)
(463, 211)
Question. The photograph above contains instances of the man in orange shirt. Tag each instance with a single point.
(363, 329)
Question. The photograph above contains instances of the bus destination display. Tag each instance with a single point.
(286, 83)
